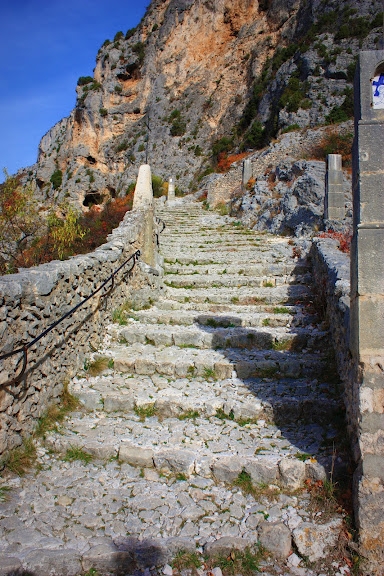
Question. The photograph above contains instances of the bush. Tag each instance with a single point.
(130, 33)
(139, 49)
(83, 80)
(124, 145)
(118, 89)
(103, 111)
(343, 112)
(178, 127)
(255, 137)
(56, 179)
(118, 36)
(224, 144)
(335, 143)
(157, 186)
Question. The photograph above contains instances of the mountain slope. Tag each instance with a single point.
(193, 72)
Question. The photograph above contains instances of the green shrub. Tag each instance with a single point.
(178, 127)
(141, 148)
(124, 145)
(130, 33)
(343, 112)
(290, 128)
(106, 43)
(139, 49)
(103, 112)
(224, 144)
(56, 179)
(118, 36)
(255, 136)
(157, 186)
(83, 80)
(118, 89)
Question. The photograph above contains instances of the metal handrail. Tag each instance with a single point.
(24, 349)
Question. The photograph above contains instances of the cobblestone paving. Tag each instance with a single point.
(205, 436)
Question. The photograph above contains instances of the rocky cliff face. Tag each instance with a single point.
(194, 71)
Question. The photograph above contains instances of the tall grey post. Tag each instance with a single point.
(171, 190)
(247, 171)
(334, 208)
(367, 307)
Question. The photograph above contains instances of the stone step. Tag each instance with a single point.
(113, 518)
(230, 280)
(183, 362)
(220, 316)
(223, 259)
(282, 400)
(224, 332)
(279, 295)
(211, 448)
(263, 269)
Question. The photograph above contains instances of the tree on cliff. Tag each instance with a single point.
(20, 223)
(29, 235)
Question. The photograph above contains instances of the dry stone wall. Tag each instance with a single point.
(331, 273)
(33, 299)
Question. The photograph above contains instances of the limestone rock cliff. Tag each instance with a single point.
(192, 72)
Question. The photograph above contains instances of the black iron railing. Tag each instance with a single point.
(24, 349)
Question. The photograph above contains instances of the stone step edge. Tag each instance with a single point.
(222, 369)
(183, 407)
(287, 473)
(220, 337)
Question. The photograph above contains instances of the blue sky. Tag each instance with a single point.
(45, 45)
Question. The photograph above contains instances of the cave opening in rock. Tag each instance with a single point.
(93, 199)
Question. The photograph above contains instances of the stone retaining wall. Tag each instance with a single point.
(33, 299)
(331, 274)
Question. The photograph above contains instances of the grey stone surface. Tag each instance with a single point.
(276, 538)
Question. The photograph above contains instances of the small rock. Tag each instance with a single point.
(167, 570)
(276, 538)
(312, 540)
(294, 560)
(64, 501)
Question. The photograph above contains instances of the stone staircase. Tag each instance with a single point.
(219, 409)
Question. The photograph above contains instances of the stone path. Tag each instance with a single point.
(213, 430)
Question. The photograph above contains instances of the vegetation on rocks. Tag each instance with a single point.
(30, 236)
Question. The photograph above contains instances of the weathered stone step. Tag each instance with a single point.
(285, 401)
(230, 280)
(222, 259)
(286, 294)
(209, 448)
(222, 333)
(220, 316)
(114, 518)
(184, 362)
(289, 268)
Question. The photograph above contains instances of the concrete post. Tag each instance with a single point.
(171, 190)
(334, 205)
(247, 171)
(143, 200)
(367, 307)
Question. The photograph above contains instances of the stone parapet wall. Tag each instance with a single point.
(331, 273)
(35, 298)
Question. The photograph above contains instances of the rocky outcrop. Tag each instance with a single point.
(192, 72)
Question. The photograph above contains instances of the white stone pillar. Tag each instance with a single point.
(247, 171)
(143, 200)
(334, 206)
(171, 190)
